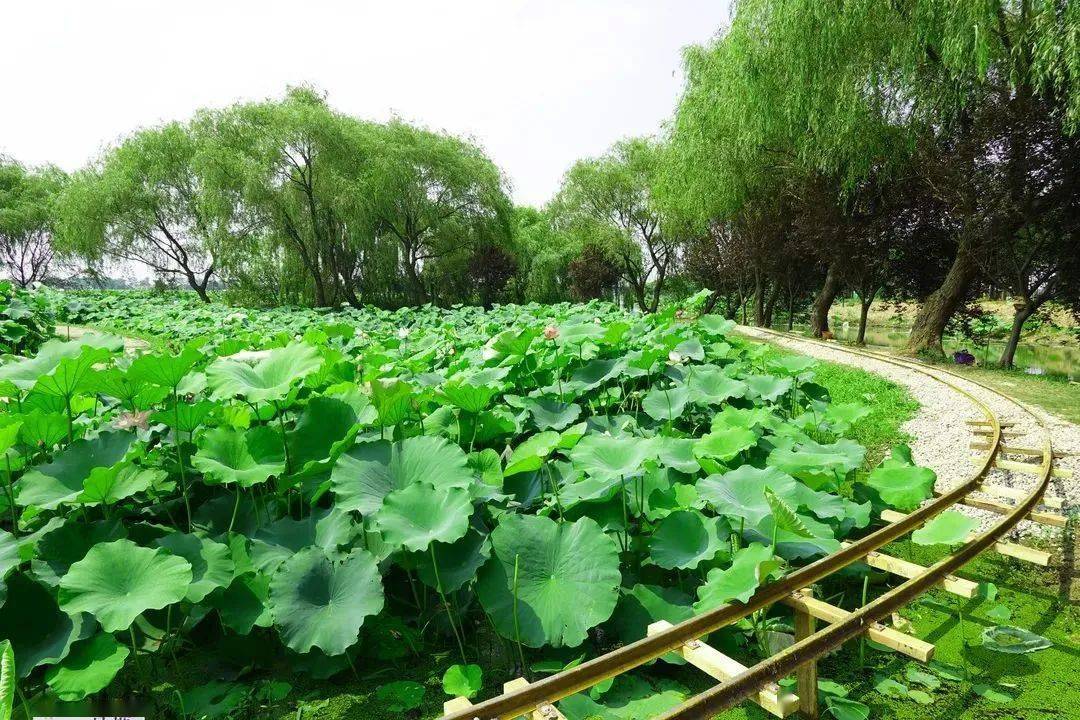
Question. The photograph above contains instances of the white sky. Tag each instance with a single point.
(539, 84)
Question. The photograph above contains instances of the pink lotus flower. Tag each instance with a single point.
(128, 421)
(551, 332)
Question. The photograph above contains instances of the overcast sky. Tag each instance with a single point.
(538, 84)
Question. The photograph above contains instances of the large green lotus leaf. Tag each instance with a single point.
(741, 492)
(89, 667)
(327, 529)
(630, 698)
(725, 444)
(62, 546)
(767, 387)
(595, 373)
(317, 602)
(711, 386)
(488, 465)
(184, 416)
(421, 514)
(666, 403)
(42, 429)
(72, 375)
(813, 539)
(9, 554)
(793, 364)
(677, 453)
(211, 562)
(8, 679)
(368, 472)
(716, 324)
(469, 397)
(841, 416)
(462, 680)
(820, 466)
(118, 581)
(392, 399)
(164, 370)
(269, 379)
(109, 486)
(550, 414)
(646, 604)
(61, 480)
(611, 456)
(245, 457)
(686, 538)
(25, 372)
(745, 419)
(749, 568)
(40, 632)
(567, 579)
(458, 561)
(10, 426)
(529, 455)
(948, 528)
(1013, 640)
(324, 430)
(245, 603)
(903, 487)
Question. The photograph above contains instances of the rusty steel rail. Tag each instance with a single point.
(556, 687)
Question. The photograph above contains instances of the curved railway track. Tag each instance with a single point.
(536, 700)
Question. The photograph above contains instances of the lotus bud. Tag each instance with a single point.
(674, 358)
(551, 332)
(403, 333)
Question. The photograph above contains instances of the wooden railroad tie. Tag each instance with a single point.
(1020, 552)
(545, 711)
(1031, 468)
(955, 585)
(772, 698)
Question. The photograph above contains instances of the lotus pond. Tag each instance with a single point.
(295, 494)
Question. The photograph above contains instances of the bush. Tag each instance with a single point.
(28, 319)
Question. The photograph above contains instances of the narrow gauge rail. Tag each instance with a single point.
(536, 700)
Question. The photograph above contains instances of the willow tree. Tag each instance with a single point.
(439, 198)
(27, 219)
(148, 201)
(298, 168)
(852, 91)
(612, 198)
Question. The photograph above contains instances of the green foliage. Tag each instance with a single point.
(341, 466)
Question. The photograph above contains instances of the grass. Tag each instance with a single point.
(1054, 394)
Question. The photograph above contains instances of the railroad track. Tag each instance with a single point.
(757, 683)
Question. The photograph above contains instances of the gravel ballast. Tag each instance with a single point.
(941, 437)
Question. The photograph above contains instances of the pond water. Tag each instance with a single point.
(1050, 359)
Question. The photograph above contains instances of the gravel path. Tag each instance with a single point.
(74, 332)
(941, 436)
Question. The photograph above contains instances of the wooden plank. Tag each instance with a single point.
(1017, 494)
(903, 568)
(806, 676)
(1011, 450)
(913, 647)
(544, 711)
(1039, 516)
(1004, 433)
(455, 704)
(988, 424)
(714, 663)
(1020, 552)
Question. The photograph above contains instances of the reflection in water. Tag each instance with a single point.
(1050, 359)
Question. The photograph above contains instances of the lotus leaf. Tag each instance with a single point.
(421, 514)
(548, 562)
(89, 667)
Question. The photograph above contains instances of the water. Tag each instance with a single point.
(1050, 359)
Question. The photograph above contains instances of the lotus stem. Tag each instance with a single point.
(236, 507)
(862, 638)
(446, 604)
(11, 498)
(625, 515)
(180, 458)
(284, 443)
(22, 699)
(517, 627)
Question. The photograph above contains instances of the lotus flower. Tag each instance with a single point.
(403, 333)
(551, 332)
(130, 420)
(674, 358)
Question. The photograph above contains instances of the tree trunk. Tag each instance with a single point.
(770, 305)
(1024, 310)
(759, 299)
(791, 311)
(929, 326)
(819, 315)
(864, 311)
